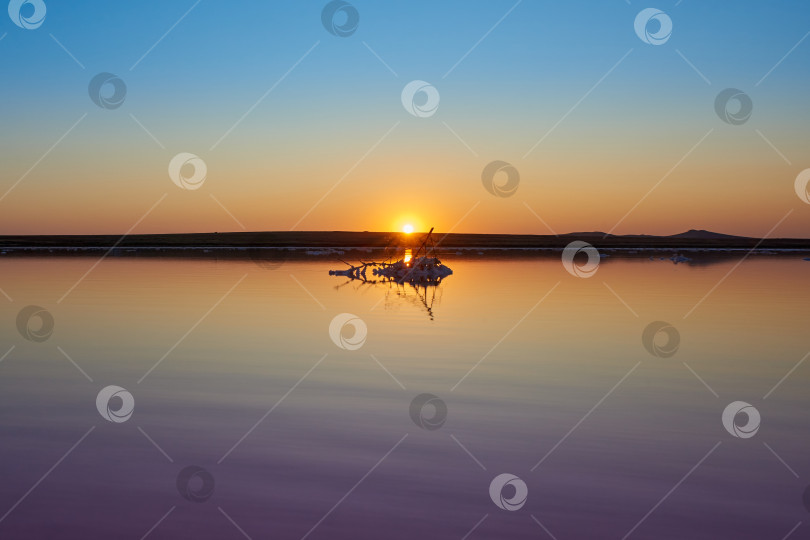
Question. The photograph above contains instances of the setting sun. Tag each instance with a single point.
(407, 229)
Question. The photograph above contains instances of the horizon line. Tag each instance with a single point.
(708, 234)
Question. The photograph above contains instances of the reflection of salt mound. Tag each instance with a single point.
(418, 270)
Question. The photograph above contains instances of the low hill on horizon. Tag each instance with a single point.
(704, 234)
(692, 239)
(701, 234)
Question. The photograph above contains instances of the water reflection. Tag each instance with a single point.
(569, 381)
(422, 295)
(414, 281)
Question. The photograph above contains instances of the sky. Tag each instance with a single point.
(299, 127)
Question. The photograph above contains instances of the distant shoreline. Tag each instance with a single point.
(308, 241)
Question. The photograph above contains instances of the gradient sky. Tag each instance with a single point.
(324, 125)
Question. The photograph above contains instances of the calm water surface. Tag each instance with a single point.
(544, 376)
